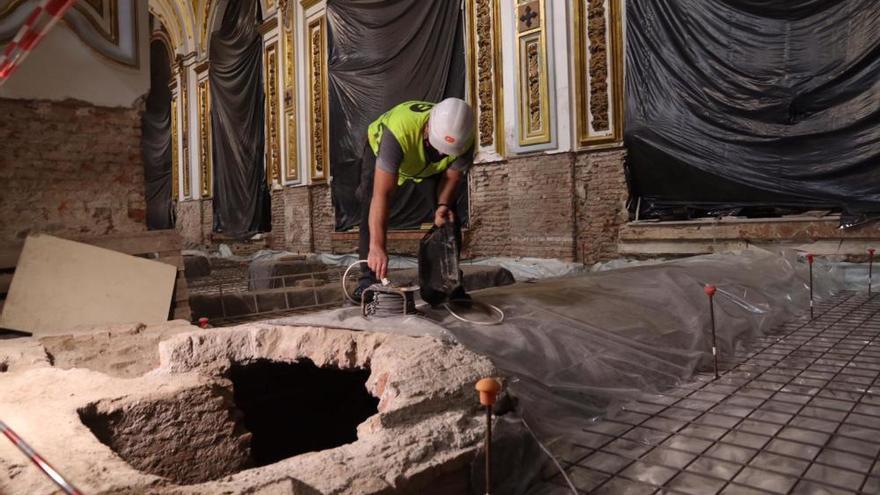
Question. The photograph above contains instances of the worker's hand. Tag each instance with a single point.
(444, 214)
(377, 260)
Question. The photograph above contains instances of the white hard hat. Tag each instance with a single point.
(451, 127)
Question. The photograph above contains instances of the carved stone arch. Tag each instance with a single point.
(177, 18)
(163, 36)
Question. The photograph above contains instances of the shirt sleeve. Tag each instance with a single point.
(463, 162)
(390, 153)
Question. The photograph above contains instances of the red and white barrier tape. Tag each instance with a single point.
(38, 460)
(41, 20)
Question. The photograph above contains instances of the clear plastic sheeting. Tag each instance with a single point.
(580, 343)
(573, 347)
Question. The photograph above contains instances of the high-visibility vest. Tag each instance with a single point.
(406, 122)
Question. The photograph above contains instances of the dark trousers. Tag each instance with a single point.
(428, 187)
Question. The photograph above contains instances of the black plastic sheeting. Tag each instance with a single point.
(241, 195)
(156, 141)
(767, 105)
(383, 53)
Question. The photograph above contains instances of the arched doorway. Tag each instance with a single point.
(156, 140)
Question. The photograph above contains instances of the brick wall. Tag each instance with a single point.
(323, 218)
(601, 195)
(69, 168)
(298, 219)
(490, 211)
(189, 223)
(567, 206)
(541, 220)
(276, 239)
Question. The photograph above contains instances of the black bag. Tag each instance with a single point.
(438, 264)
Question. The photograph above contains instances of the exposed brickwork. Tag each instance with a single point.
(541, 220)
(490, 211)
(276, 238)
(566, 206)
(600, 206)
(69, 168)
(323, 218)
(298, 220)
(189, 223)
(207, 219)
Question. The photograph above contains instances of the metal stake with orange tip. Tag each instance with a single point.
(870, 268)
(488, 389)
(709, 289)
(810, 261)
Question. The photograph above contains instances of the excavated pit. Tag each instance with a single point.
(294, 408)
(257, 408)
(276, 410)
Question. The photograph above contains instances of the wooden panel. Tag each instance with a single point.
(61, 284)
(162, 245)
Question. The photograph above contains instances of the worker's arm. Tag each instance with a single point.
(446, 196)
(384, 184)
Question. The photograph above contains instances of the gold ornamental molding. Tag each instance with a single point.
(598, 27)
(184, 126)
(205, 170)
(175, 156)
(316, 45)
(273, 144)
(490, 106)
(532, 77)
(291, 167)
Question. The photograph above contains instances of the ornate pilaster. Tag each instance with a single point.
(185, 170)
(489, 105)
(204, 115)
(273, 143)
(175, 153)
(533, 107)
(291, 165)
(316, 66)
(599, 71)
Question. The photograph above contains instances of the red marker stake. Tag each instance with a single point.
(870, 268)
(810, 261)
(709, 289)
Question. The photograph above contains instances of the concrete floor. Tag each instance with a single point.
(798, 413)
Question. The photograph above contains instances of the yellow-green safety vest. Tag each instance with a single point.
(406, 122)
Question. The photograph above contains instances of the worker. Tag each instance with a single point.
(429, 144)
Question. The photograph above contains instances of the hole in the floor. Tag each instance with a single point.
(294, 408)
(3, 366)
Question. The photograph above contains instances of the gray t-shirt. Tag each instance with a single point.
(391, 154)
